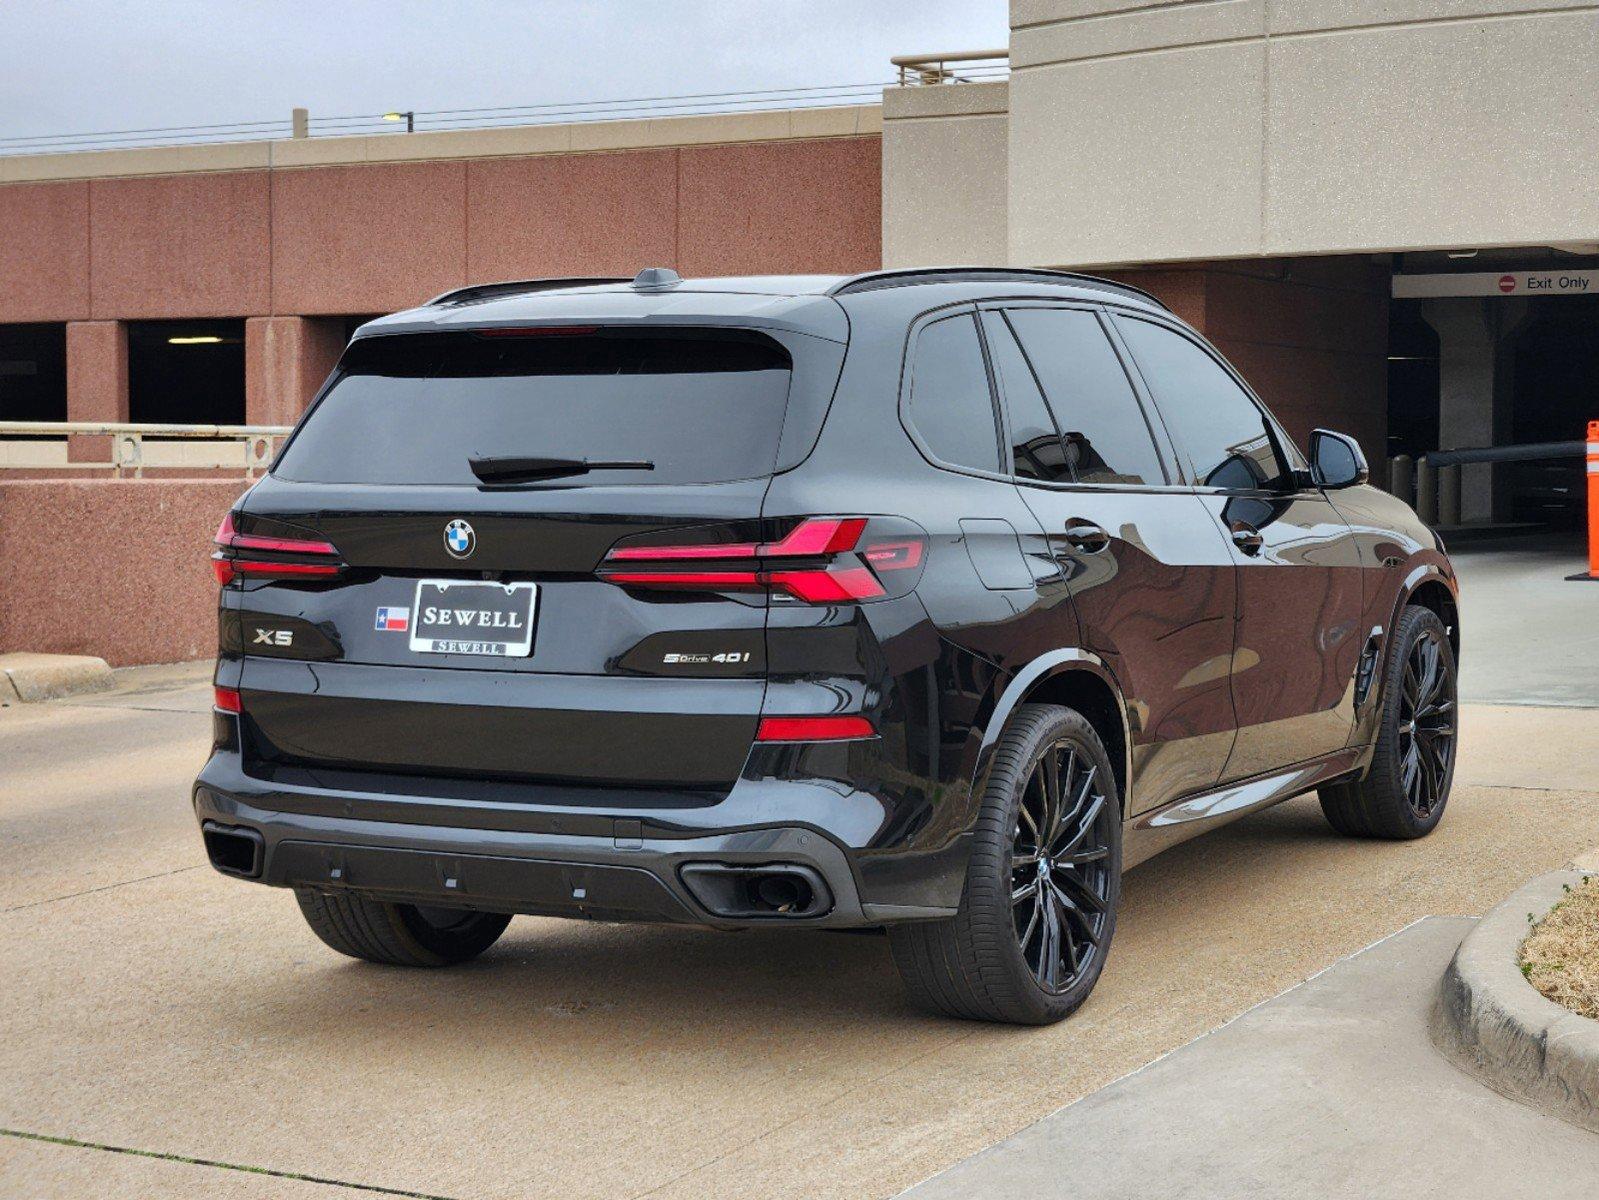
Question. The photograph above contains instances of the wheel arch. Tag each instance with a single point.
(1076, 679)
(1431, 591)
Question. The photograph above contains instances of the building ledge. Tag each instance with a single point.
(769, 125)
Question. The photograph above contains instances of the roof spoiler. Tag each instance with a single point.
(516, 287)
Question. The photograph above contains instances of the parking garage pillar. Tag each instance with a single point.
(1467, 348)
(97, 382)
(285, 361)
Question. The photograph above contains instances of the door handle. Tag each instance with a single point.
(1086, 536)
(1247, 538)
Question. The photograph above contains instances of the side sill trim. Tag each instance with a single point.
(1190, 816)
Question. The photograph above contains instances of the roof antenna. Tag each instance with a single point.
(657, 277)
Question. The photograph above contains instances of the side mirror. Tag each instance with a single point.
(1336, 460)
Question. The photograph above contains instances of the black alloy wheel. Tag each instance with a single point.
(1426, 723)
(1043, 882)
(1060, 877)
(1404, 791)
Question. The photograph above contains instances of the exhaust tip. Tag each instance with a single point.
(777, 891)
(234, 850)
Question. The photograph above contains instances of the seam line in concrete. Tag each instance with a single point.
(1109, 13)
(103, 888)
(180, 712)
(1265, 34)
(1192, 1041)
(75, 1143)
(1529, 704)
(929, 118)
(760, 1137)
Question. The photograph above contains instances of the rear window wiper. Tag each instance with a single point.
(524, 469)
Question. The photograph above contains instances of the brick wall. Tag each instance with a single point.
(111, 567)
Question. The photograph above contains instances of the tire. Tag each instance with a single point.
(978, 965)
(1407, 786)
(400, 935)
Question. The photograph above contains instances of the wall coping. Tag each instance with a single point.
(768, 125)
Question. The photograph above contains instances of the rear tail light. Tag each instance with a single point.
(821, 560)
(250, 556)
(227, 700)
(813, 729)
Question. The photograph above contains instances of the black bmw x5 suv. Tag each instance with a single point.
(930, 600)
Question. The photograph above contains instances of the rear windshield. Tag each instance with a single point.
(704, 406)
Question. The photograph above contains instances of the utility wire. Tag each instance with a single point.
(756, 99)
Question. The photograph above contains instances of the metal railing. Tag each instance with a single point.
(917, 70)
(302, 124)
(131, 448)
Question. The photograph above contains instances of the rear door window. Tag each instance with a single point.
(1107, 435)
(951, 406)
(702, 406)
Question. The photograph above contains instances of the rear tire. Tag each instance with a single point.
(400, 935)
(1407, 786)
(1036, 873)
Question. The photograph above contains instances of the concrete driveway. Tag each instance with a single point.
(151, 1005)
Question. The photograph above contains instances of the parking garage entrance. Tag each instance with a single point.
(1498, 350)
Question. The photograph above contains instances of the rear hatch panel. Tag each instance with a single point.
(621, 687)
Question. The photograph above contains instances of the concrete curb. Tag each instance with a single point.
(1490, 1021)
(30, 678)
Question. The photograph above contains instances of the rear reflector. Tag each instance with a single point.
(227, 700)
(814, 729)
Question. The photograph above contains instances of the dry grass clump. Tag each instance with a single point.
(1561, 955)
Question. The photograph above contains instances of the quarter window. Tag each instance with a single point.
(1223, 430)
(951, 406)
(1036, 448)
(1106, 435)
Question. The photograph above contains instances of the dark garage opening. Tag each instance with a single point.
(186, 372)
(1413, 382)
(1554, 363)
(33, 372)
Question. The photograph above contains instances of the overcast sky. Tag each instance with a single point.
(87, 66)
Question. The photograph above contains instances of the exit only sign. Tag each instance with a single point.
(1499, 283)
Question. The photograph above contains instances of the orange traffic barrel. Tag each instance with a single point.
(1593, 499)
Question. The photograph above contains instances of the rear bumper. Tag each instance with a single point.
(558, 865)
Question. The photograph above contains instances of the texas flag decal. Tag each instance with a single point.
(393, 620)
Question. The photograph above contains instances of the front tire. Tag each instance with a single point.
(400, 935)
(1042, 886)
(1404, 792)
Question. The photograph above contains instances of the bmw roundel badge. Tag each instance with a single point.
(459, 539)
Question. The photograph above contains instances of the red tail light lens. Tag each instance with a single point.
(227, 700)
(855, 559)
(814, 729)
(240, 555)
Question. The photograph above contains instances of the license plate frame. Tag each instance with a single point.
(518, 602)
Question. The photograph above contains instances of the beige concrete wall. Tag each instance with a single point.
(1234, 128)
(944, 175)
